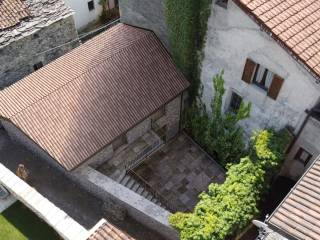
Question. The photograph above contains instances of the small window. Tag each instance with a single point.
(303, 156)
(235, 103)
(120, 141)
(262, 77)
(91, 5)
(37, 66)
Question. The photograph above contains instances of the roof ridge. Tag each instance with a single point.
(75, 78)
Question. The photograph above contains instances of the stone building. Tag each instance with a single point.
(269, 57)
(30, 33)
(117, 91)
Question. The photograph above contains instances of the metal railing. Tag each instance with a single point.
(164, 202)
(147, 151)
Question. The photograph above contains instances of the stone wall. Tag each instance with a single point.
(172, 120)
(139, 130)
(173, 112)
(149, 14)
(126, 202)
(232, 38)
(310, 141)
(18, 58)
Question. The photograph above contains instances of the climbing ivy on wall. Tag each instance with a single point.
(187, 23)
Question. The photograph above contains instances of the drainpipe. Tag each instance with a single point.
(309, 112)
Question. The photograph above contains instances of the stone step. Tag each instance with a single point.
(125, 180)
(135, 187)
(140, 190)
(130, 183)
(121, 177)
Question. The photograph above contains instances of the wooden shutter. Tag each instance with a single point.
(275, 87)
(248, 71)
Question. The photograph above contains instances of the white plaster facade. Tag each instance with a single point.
(83, 16)
(233, 37)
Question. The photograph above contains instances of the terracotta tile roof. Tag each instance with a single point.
(299, 214)
(11, 12)
(295, 23)
(79, 103)
(109, 232)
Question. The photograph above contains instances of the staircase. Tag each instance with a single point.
(129, 181)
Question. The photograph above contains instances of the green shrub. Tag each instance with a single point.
(218, 133)
(228, 208)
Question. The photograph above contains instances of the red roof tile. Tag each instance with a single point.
(11, 12)
(109, 232)
(299, 214)
(295, 23)
(79, 103)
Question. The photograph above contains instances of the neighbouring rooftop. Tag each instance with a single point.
(76, 105)
(294, 23)
(20, 18)
(299, 214)
(107, 231)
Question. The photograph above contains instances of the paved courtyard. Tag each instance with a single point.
(179, 171)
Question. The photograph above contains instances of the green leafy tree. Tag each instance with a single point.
(228, 208)
(225, 137)
(219, 133)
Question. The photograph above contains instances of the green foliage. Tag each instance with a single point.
(187, 23)
(219, 133)
(228, 208)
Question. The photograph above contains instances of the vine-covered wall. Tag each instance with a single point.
(187, 23)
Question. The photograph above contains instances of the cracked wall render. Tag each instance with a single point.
(17, 59)
(232, 38)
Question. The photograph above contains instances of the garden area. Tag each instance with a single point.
(19, 223)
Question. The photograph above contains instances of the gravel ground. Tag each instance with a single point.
(74, 200)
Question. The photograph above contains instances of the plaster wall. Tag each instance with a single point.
(82, 15)
(308, 140)
(232, 38)
(149, 14)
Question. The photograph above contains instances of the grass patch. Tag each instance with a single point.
(19, 223)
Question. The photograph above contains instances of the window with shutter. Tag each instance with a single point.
(248, 71)
(263, 78)
(275, 87)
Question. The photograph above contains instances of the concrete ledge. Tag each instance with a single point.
(62, 223)
(139, 208)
